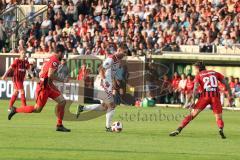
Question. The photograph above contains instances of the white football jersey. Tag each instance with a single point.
(104, 87)
(111, 67)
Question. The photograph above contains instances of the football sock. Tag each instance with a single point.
(109, 115)
(23, 99)
(186, 120)
(60, 114)
(13, 99)
(220, 123)
(96, 107)
(25, 109)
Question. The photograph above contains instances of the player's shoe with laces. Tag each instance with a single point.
(222, 134)
(61, 128)
(176, 132)
(108, 129)
(79, 110)
(11, 113)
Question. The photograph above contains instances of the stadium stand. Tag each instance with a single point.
(98, 27)
(144, 25)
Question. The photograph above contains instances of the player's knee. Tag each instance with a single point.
(104, 106)
(22, 91)
(112, 106)
(62, 102)
(16, 92)
(218, 116)
(38, 110)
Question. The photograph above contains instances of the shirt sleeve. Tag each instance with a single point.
(107, 63)
(220, 77)
(197, 79)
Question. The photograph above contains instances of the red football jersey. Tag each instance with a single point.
(231, 84)
(221, 87)
(52, 63)
(208, 81)
(175, 83)
(189, 85)
(19, 67)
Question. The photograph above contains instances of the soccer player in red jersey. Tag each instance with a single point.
(208, 81)
(19, 68)
(46, 89)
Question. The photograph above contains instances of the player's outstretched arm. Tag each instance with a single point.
(227, 86)
(52, 76)
(4, 77)
(196, 85)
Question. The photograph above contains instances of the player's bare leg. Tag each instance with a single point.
(108, 107)
(92, 107)
(61, 102)
(220, 124)
(13, 99)
(185, 122)
(23, 98)
(121, 91)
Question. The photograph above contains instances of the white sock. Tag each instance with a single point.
(109, 115)
(95, 107)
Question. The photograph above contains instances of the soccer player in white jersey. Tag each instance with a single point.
(105, 87)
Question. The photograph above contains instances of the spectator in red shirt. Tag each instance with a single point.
(189, 90)
(232, 83)
(175, 82)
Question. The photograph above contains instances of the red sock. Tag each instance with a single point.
(60, 114)
(220, 123)
(186, 120)
(23, 99)
(13, 99)
(25, 109)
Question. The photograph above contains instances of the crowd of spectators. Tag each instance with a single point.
(98, 27)
(179, 90)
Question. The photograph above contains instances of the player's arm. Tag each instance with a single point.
(4, 77)
(196, 85)
(52, 76)
(227, 86)
(102, 71)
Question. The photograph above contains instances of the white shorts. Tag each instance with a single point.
(101, 94)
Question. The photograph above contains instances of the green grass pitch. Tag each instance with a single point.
(33, 137)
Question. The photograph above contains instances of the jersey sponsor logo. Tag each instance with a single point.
(55, 64)
(21, 70)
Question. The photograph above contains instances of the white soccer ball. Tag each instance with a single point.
(117, 126)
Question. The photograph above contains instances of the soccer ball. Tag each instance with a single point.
(117, 126)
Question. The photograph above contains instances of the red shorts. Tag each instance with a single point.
(18, 85)
(42, 94)
(190, 91)
(213, 101)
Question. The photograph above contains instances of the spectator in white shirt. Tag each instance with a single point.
(181, 87)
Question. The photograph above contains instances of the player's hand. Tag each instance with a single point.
(4, 78)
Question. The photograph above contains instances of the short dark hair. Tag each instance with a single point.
(59, 48)
(200, 65)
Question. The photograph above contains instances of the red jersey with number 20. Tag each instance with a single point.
(19, 67)
(208, 80)
(52, 63)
